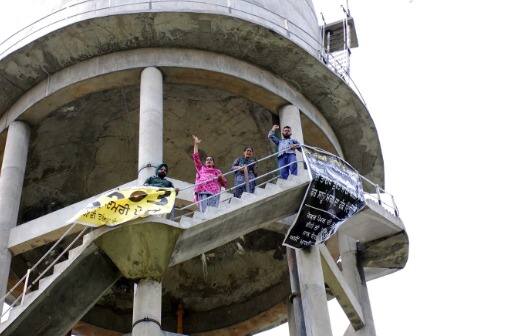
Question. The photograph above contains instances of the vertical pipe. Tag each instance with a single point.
(11, 184)
(179, 317)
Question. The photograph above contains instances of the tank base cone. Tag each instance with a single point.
(140, 250)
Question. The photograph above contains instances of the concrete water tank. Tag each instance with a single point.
(228, 67)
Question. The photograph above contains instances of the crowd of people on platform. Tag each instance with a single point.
(210, 179)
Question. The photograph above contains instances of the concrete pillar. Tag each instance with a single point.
(147, 302)
(290, 116)
(314, 308)
(11, 183)
(147, 308)
(150, 138)
(294, 306)
(354, 276)
(314, 296)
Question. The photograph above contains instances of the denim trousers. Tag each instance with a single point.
(284, 160)
(204, 202)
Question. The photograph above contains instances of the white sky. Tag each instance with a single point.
(439, 80)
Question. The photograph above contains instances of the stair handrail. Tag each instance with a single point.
(231, 171)
(377, 187)
(25, 278)
(240, 185)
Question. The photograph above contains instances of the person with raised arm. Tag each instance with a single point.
(286, 151)
(209, 179)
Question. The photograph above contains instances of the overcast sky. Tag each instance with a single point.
(439, 80)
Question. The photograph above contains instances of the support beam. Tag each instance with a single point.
(354, 276)
(294, 306)
(150, 138)
(341, 289)
(11, 184)
(314, 296)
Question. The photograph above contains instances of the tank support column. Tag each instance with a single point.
(354, 276)
(147, 301)
(150, 138)
(11, 183)
(308, 280)
(147, 308)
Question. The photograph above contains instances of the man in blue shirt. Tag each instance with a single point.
(286, 151)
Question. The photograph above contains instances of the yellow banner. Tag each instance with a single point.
(119, 206)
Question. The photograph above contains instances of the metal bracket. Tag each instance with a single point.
(147, 319)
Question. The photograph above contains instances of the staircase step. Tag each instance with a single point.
(185, 221)
(211, 212)
(260, 192)
(248, 197)
(75, 252)
(198, 216)
(235, 203)
(30, 296)
(46, 281)
(61, 266)
(271, 187)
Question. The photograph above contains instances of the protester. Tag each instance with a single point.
(209, 179)
(159, 179)
(245, 174)
(286, 151)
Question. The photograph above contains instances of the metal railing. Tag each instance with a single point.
(27, 284)
(236, 186)
(288, 28)
(380, 193)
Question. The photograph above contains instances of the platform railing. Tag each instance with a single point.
(27, 284)
(288, 28)
(244, 184)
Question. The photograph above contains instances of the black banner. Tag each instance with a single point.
(334, 195)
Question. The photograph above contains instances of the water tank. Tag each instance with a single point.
(228, 67)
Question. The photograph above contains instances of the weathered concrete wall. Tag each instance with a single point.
(90, 145)
(221, 34)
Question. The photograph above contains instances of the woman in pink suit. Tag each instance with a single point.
(209, 179)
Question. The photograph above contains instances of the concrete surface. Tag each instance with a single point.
(268, 50)
(354, 276)
(140, 251)
(150, 130)
(341, 290)
(63, 297)
(11, 183)
(147, 304)
(74, 77)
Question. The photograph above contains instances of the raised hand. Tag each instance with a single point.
(196, 140)
(275, 127)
